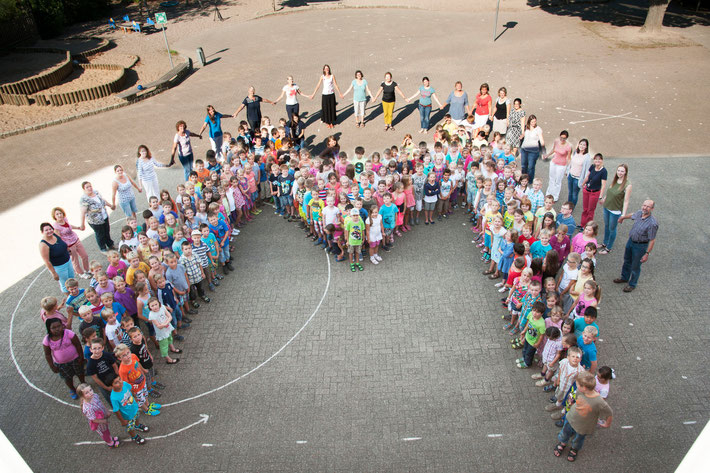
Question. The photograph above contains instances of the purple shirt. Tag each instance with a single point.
(127, 300)
(562, 248)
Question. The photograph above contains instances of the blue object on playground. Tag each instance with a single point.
(140, 87)
(149, 22)
(125, 18)
(136, 27)
(168, 4)
(111, 23)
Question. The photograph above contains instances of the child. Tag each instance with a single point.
(112, 326)
(569, 368)
(515, 298)
(126, 408)
(96, 413)
(166, 296)
(588, 298)
(589, 349)
(50, 310)
(431, 195)
(531, 297)
(560, 241)
(375, 231)
(221, 232)
(389, 212)
(550, 356)
(589, 319)
(115, 267)
(583, 417)
(603, 378)
(176, 275)
(194, 272)
(139, 348)
(101, 366)
(88, 320)
(63, 353)
(532, 335)
(210, 240)
(540, 248)
(160, 316)
(498, 233)
(135, 265)
(132, 372)
(354, 229)
(535, 195)
(446, 185)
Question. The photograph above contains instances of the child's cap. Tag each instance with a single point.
(354, 212)
(196, 232)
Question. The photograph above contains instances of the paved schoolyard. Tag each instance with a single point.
(403, 367)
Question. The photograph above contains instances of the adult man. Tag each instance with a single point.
(640, 244)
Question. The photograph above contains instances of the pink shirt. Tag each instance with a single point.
(578, 243)
(561, 152)
(66, 233)
(63, 350)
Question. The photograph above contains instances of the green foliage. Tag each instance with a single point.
(52, 15)
(8, 10)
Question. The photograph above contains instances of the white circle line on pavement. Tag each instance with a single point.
(192, 398)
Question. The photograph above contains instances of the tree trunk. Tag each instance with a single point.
(654, 17)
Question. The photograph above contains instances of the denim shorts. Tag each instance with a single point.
(286, 200)
(129, 208)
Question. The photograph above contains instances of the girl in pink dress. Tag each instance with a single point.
(96, 413)
(399, 200)
(409, 201)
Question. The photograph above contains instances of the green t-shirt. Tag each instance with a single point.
(356, 231)
(536, 329)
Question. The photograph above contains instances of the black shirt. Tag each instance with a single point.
(141, 351)
(594, 183)
(103, 367)
(388, 91)
(253, 108)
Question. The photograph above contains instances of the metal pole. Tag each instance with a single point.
(495, 26)
(167, 46)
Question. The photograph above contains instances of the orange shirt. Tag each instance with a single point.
(132, 374)
(203, 175)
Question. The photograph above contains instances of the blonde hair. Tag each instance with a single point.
(120, 349)
(49, 303)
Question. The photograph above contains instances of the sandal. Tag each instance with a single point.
(138, 439)
(559, 449)
(177, 350)
(352, 267)
(495, 275)
(359, 266)
(572, 455)
(488, 272)
(142, 428)
(175, 360)
(115, 443)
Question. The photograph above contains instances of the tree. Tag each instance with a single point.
(654, 17)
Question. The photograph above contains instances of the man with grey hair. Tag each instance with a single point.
(642, 238)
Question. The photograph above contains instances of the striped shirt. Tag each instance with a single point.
(201, 253)
(192, 267)
(145, 169)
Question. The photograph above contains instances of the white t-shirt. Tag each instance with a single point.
(602, 389)
(184, 147)
(330, 215)
(162, 317)
(111, 331)
(532, 138)
(291, 95)
(375, 228)
(567, 276)
(328, 87)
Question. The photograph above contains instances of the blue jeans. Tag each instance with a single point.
(65, 271)
(290, 110)
(631, 270)
(528, 353)
(424, 113)
(528, 159)
(186, 162)
(573, 187)
(177, 316)
(129, 208)
(568, 432)
(610, 222)
(224, 254)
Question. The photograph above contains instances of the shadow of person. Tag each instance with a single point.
(506, 27)
(437, 117)
(403, 112)
(375, 111)
(344, 113)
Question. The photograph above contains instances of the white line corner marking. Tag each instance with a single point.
(203, 420)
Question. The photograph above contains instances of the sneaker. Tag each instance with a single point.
(196, 305)
(503, 289)
(211, 287)
(378, 257)
(552, 407)
(186, 321)
(229, 266)
(386, 248)
(215, 282)
(548, 388)
(500, 284)
(153, 412)
(219, 276)
(557, 415)
(536, 376)
(206, 299)
(373, 260)
(86, 275)
(542, 382)
(235, 232)
(73, 394)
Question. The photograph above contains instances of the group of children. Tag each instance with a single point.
(544, 261)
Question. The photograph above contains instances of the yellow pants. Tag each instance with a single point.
(388, 108)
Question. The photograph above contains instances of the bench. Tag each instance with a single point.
(168, 80)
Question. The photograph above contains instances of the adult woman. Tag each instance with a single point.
(64, 230)
(482, 106)
(145, 172)
(579, 163)
(616, 202)
(593, 188)
(295, 129)
(387, 88)
(55, 253)
(425, 93)
(530, 147)
(501, 112)
(63, 353)
(123, 184)
(213, 120)
(458, 104)
(181, 144)
(561, 152)
(252, 102)
(291, 91)
(330, 85)
(360, 92)
(93, 210)
(516, 124)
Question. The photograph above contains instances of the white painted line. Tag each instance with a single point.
(627, 426)
(638, 358)
(684, 377)
(495, 435)
(207, 445)
(203, 420)
(690, 422)
(301, 442)
(411, 439)
(211, 391)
